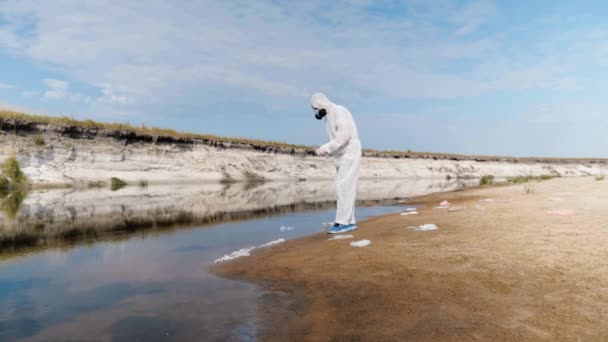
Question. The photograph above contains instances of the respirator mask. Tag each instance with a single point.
(320, 113)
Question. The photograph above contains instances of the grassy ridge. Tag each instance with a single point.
(143, 129)
(157, 131)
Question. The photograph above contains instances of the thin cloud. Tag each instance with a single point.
(6, 86)
(57, 89)
(156, 51)
(472, 15)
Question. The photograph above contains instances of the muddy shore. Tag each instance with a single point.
(503, 265)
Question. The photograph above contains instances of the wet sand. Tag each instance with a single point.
(509, 269)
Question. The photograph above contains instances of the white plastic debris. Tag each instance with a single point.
(284, 228)
(243, 252)
(341, 237)
(361, 243)
(425, 227)
(565, 212)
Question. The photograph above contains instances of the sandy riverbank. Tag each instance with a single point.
(509, 269)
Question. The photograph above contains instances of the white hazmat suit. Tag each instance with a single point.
(345, 147)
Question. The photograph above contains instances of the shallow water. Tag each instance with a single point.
(153, 283)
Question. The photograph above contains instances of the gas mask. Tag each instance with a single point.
(320, 113)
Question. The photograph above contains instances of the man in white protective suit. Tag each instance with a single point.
(345, 147)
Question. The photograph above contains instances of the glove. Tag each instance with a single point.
(322, 151)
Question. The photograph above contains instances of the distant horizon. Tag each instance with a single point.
(470, 77)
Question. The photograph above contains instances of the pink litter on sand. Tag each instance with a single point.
(556, 199)
(444, 203)
(560, 212)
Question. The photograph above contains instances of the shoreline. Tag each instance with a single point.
(508, 268)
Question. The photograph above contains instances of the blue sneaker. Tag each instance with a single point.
(341, 228)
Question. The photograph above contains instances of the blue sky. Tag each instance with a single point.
(524, 78)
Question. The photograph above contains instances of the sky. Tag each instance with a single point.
(520, 78)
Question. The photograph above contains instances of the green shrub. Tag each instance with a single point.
(143, 183)
(117, 183)
(486, 180)
(600, 177)
(448, 178)
(11, 170)
(39, 140)
(4, 183)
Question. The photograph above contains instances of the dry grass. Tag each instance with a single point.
(486, 180)
(143, 129)
(156, 131)
(526, 179)
(529, 188)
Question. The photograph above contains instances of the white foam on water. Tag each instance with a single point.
(284, 229)
(243, 252)
(361, 243)
(271, 243)
(327, 224)
(411, 209)
(410, 213)
(341, 237)
(236, 254)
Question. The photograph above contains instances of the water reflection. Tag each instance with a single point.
(143, 288)
(47, 217)
(154, 284)
(10, 201)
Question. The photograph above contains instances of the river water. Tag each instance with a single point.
(133, 264)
